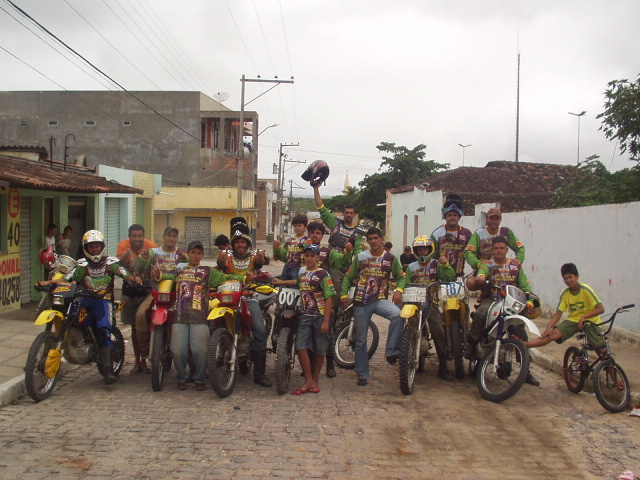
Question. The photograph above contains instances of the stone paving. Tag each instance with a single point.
(442, 430)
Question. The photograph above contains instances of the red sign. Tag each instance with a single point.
(14, 203)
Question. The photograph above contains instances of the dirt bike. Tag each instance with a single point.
(453, 302)
(267, 296)
(414, 343)
(503, 359)
(70, 340)
(287, 315)
(164, 296)
(231, 341)
(345, 336)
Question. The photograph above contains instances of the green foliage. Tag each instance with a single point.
(621, 116)
(403, 166)
(337, 203)
(593, 184)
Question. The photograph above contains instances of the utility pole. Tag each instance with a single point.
(280, 186)
(241, 135)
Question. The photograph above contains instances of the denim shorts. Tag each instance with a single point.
(309, 334)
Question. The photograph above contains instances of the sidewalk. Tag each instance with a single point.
(17, 331)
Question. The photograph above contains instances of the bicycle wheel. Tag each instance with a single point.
(39, 385)
(222, 373)
(611, 386)
(504, 381)
(408, 344)
(345, 344)
(575, 368)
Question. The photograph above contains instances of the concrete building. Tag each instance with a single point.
(187, 137)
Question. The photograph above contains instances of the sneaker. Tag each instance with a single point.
(531, 380)
(362, 382)
(393, 359)
(331, 372)
(182, 385)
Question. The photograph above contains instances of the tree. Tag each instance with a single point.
(593, 184)
(403, 166)
(337, 203)
(621, 116)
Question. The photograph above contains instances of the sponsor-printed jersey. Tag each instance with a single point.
(315, 288)
(451, 245)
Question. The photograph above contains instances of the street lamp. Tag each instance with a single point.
(267, 128)
(578, 115)
(463, 147)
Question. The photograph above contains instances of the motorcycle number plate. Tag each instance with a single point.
(230, 286)
(414, 295)
(289, 296)
(452, 290)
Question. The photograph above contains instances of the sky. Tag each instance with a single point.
(409, 72)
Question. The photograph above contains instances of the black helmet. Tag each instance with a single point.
(453, 203)
(240, 229)
(316, 173)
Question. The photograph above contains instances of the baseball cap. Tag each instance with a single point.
(170, 229)
(494, 211)
(313, 247)
(195, 244)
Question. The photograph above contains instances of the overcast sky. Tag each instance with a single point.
(404, 71)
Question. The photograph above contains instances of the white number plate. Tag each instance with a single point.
(414, 294)
(452, 290)
(230, 286)
(289, 296)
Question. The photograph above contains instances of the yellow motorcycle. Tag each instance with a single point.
(453, 303)
(414, 343)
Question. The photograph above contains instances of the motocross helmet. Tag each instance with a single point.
(240, 229)
(422, 241)
(453, 203)
(94, 236)
(66, 264)
(316, 173)
(48, 257)
(533, 307)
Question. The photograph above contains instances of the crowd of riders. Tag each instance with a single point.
(353, 267)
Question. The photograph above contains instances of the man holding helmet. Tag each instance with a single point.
(450, 239)
(239, 261)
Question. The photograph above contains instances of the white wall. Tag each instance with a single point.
(603, 241)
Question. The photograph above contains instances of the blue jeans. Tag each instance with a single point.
(362, 315)
(194, 336)
(290, 272)
(258, 328)
(100, 316)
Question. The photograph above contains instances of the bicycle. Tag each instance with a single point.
(610, 383)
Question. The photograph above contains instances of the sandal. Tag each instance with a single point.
(299, 391)
(315, 389)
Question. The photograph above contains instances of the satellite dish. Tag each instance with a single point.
(221, 96)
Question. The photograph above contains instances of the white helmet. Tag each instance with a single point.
(66, 264)
(94, 236)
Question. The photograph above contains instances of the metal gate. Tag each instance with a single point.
(112, 225)
(25, 249)
(199, 228)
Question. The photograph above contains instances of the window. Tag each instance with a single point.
(89, 123)
(23, 123)
(126, 123)
(53, 123)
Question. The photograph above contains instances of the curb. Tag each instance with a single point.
(555, 366)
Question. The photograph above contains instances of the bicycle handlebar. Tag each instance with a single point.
(611, 320)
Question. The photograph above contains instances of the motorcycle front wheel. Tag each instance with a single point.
(117, 354)
(222, 374)
(504, 381)
(458, 348)
(159, 353)
(39, 385)
(408, 347)
(345, 344)
(283, 361)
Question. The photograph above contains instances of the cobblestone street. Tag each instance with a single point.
(442, 430)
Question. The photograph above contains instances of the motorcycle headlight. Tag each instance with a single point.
(164, 297)
(58, 301)
(226, 298)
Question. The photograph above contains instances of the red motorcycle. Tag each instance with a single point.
(161, 321)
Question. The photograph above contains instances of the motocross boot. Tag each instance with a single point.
(107, 366)
(331, 369)
(259, 367)
(443, 371)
